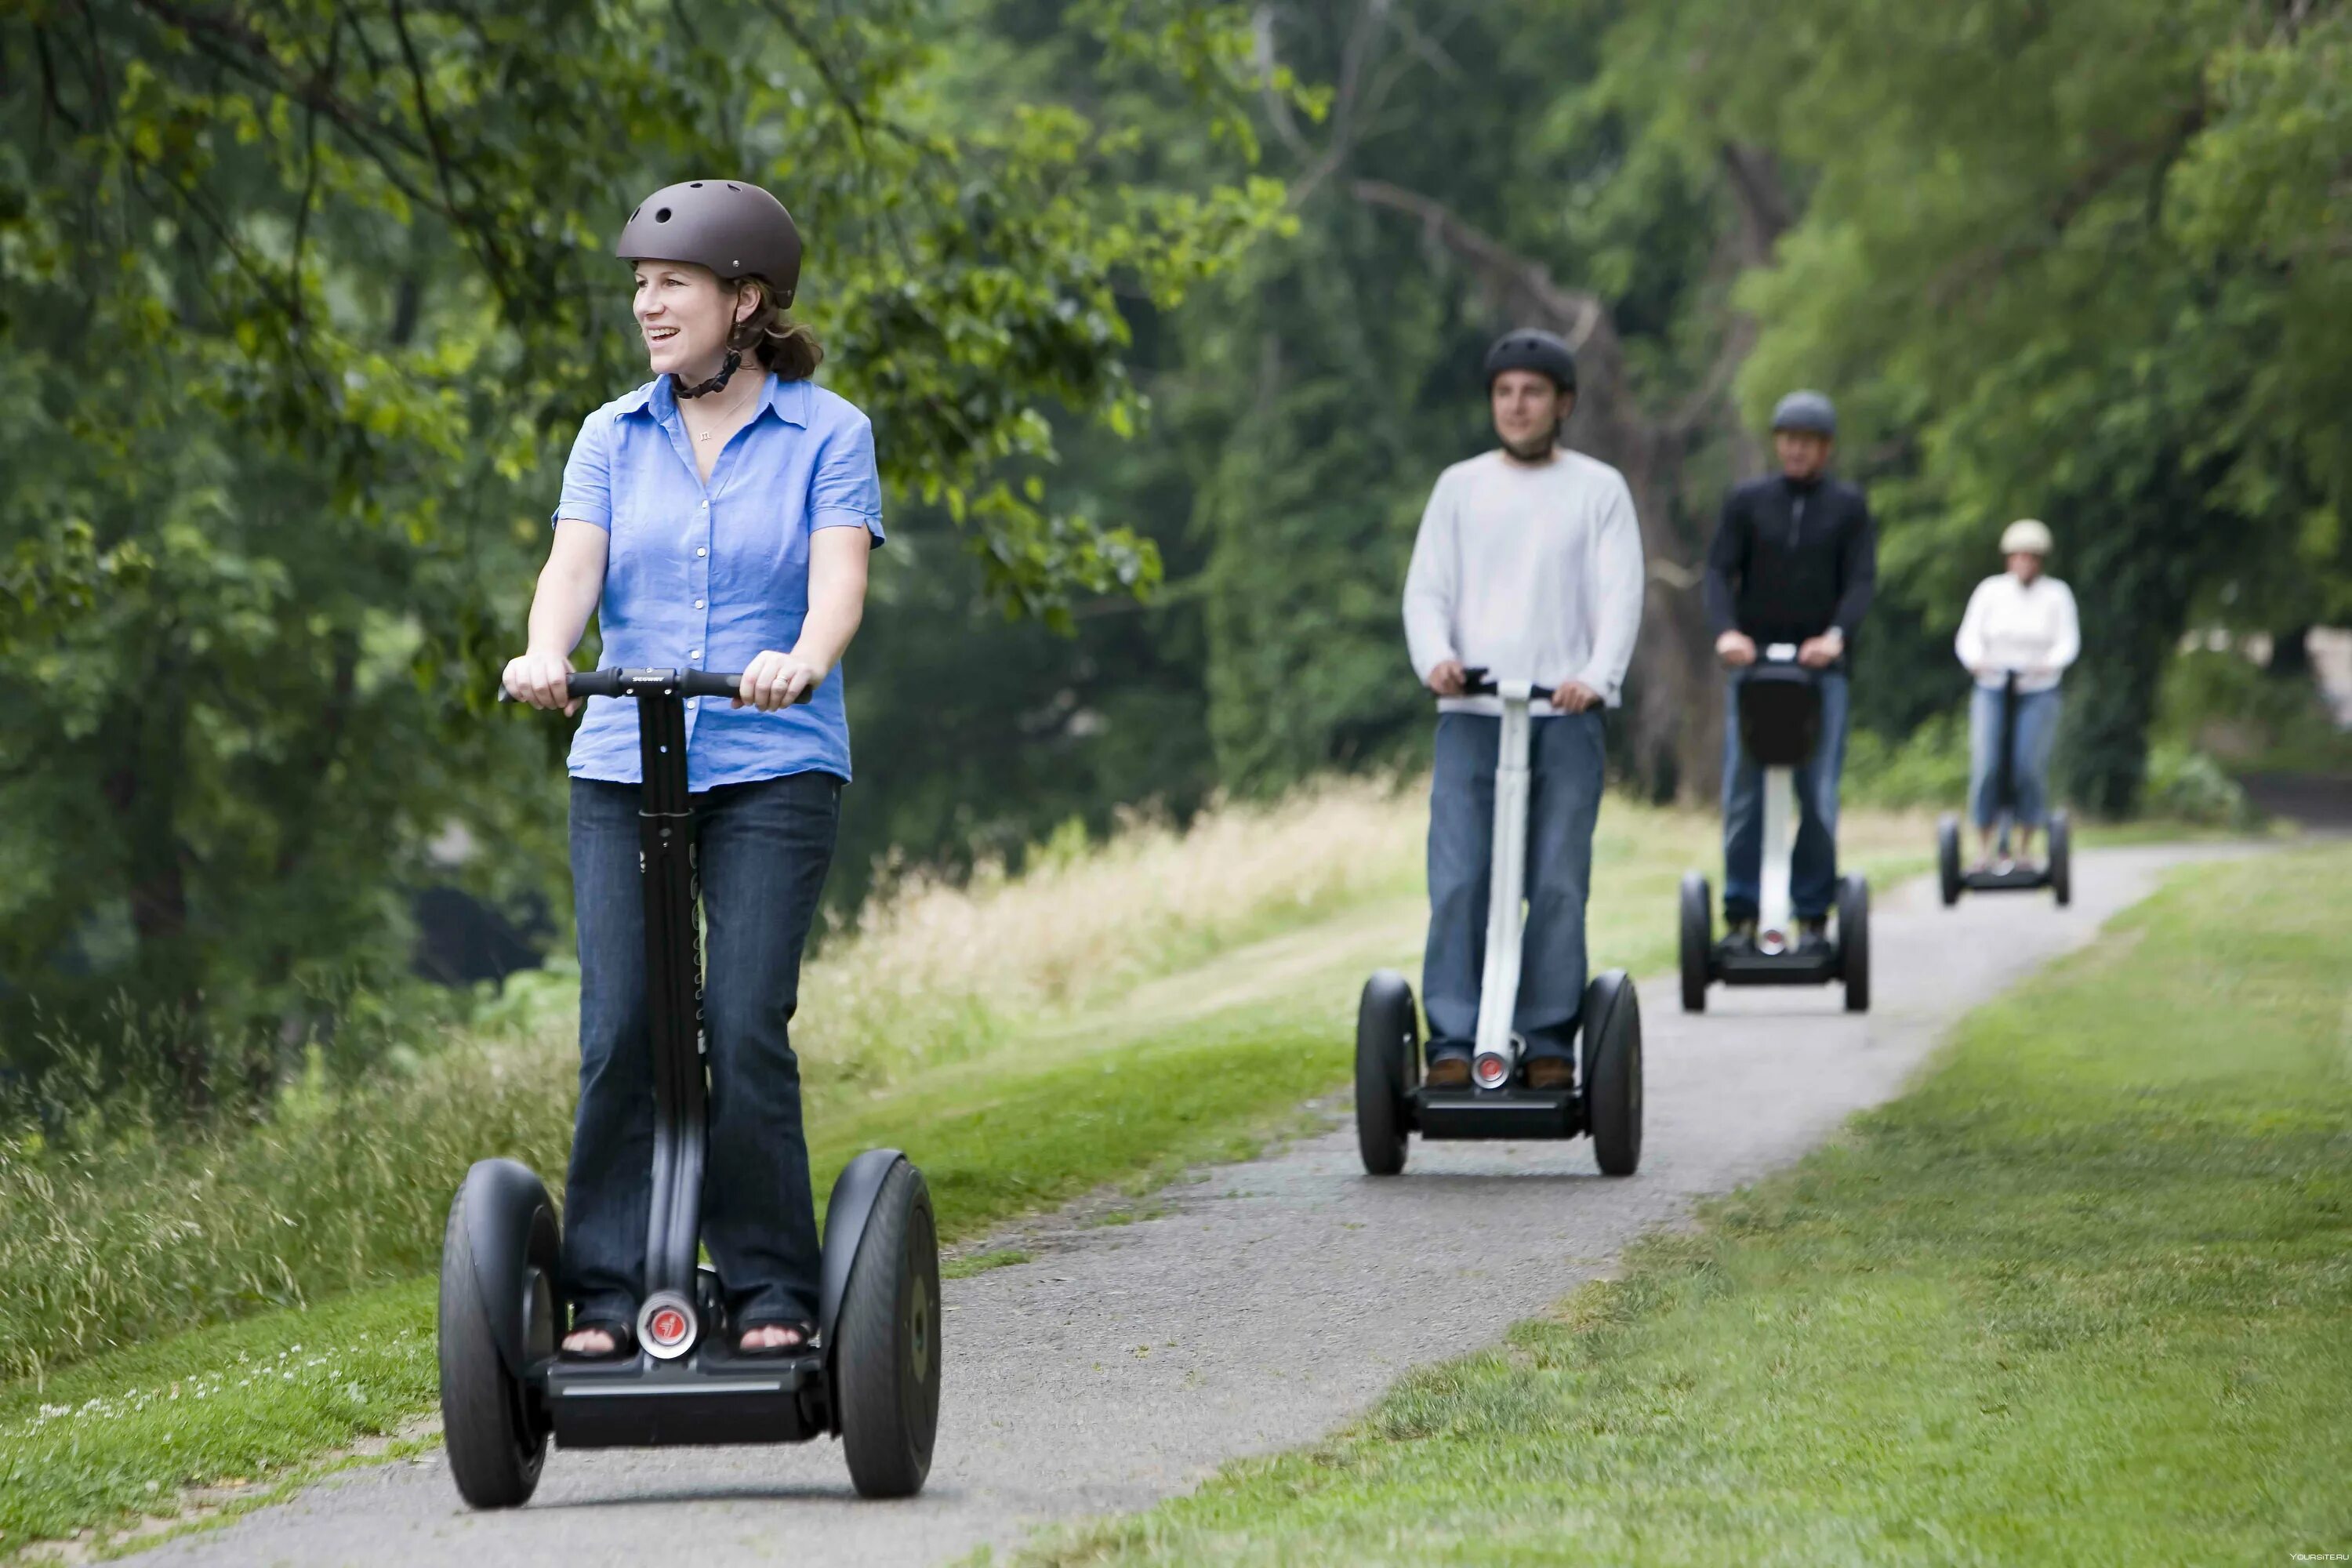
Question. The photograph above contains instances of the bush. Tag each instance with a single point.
(1928, 767)
(2220, 704)
(2187, 785)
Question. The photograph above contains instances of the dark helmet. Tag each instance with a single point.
(731, 227)
(1531, 348)
(1810, 413)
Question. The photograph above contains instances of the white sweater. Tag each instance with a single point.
(2030, 627)
(1533, 572)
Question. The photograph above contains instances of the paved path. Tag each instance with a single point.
(1268, 1304)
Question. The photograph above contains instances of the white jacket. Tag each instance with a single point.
(2030, 627)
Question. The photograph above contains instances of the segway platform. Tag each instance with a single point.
(870, 1377)
(1392, 1100)
(1779, 716)
(2005, 876)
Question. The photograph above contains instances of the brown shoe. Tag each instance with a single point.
(1448, 1072)
(1551, 1072)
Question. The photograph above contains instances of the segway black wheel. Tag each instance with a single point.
(1697, 940)
(1388, 1054)
(1948, 858)
(1612, 1072)
(496, 1435)
(885, 1360)
(2062, 873)
(1854, 941)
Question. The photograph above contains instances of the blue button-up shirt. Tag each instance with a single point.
(707, 576)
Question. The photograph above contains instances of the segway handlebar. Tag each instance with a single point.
(1477, 681)
(651, 682)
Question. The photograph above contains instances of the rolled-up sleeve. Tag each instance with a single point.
(846, 491)
(588, 475)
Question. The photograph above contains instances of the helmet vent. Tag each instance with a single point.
(733, 186)
(696, 186)
(662, 217)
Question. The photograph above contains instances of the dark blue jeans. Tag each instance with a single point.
(1564, 757)
(1812, 868)
(763, 850)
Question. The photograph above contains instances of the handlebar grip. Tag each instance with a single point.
(619, 683)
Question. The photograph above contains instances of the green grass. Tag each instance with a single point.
(309, 1230)
(117, 1436)
(2081, 1297)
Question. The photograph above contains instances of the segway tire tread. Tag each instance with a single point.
(1697, 940)
(1387, 1038)
(886, 1366)
(2061, 868)
(1613, 1073)
(495, 1455)
(1853, 943)
(1947, 859)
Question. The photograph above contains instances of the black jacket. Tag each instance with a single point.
(1790, 561)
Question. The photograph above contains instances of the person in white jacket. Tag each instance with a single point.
(1528, 565)
(2021, 623)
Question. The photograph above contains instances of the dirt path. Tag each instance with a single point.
(1262, 1307)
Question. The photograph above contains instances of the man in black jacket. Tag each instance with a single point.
(1795, 560)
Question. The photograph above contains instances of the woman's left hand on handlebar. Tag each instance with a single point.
(775, 680)
(539, 678)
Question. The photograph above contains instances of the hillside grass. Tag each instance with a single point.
(2079, 1297)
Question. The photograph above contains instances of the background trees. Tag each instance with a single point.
(1168, 314)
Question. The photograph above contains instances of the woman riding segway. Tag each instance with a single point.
(2018, 637)
(719, 517)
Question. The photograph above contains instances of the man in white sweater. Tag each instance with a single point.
(1528, 565)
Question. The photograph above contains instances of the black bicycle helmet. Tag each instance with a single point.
(1807, 413)
(1532, 347)
(731, 227)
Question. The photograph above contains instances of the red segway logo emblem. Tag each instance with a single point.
(667, 1325)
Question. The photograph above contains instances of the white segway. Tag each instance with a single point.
(1391, 1101)
(1780, 725)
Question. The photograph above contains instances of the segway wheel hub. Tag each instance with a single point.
(667, 1325)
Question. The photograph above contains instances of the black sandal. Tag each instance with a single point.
(801, 1326)
(623, 1337)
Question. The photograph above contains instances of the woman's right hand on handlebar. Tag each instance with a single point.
(541, 679)
(1448, 678)
(1736, 649)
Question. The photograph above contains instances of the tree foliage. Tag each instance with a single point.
(2083, 262)
(300, 304)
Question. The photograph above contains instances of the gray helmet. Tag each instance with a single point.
(1531, 348)
(731, 227)
(1811, 413)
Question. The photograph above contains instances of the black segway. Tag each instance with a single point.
(1391, 1101)
(2005, 875)
(872, 1376)
(1780, 725)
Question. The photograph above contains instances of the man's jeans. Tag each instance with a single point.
(1812, 868)
(1564, 755)
(763, 851)
(2037, 728)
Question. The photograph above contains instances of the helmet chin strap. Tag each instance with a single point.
(716, 384)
